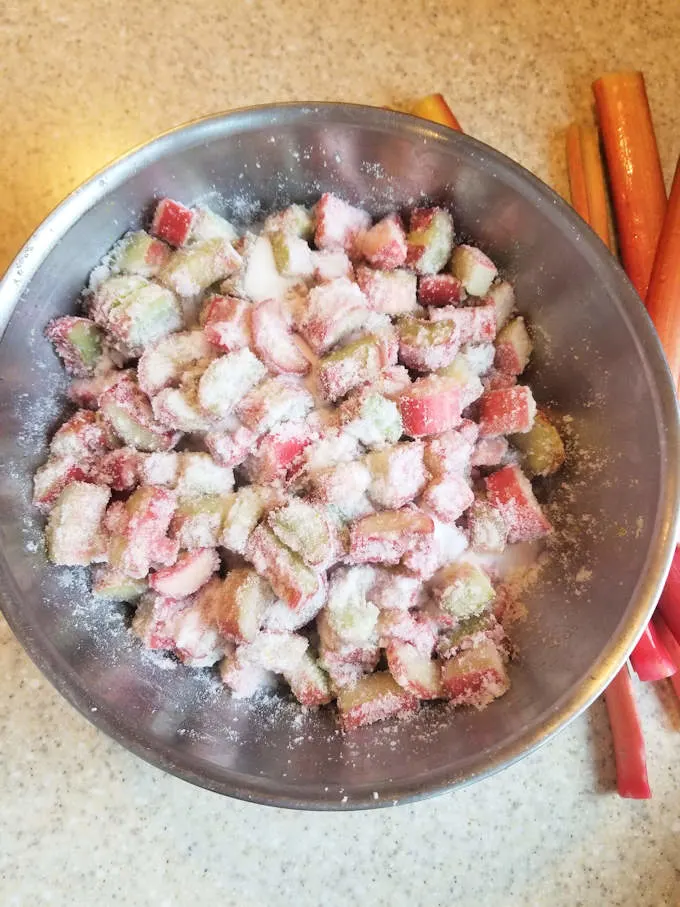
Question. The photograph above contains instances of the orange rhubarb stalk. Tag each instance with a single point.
(663, 296)
(434, 107)
(629, 744)
(634, 170)
(586, 179)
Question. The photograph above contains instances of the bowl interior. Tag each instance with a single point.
(597, 366)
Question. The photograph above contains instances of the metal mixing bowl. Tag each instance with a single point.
(598, 362)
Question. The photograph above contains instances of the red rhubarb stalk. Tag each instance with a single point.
(669, 603)
(650, 658)
(672, 647)
(629, 745)
(634, 169)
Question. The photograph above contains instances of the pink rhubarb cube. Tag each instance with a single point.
(385, 537)
(389, 292)
(475, 323)
(506, 411)
(337, 223)
(430, 406)
(384, 245)
(440, 290)
(172, 222)
(447, 497)
(510, 492)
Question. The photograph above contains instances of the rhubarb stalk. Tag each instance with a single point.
(669, 603)
(587, 180)
(433, 107)
(629, 744)
(650, 658)
(672, 647)
(663, 296)
(634, 169)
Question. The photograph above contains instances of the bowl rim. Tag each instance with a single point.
(662, 540)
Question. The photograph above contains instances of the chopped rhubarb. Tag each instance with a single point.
(275, 400)
(74, 529)
(140, 540)
(490, 451)
(226, 324)
(309, 683)
(486, 527)
(415, 672)
(541, 447)
(135, 312)
(510, 492)
(506, 411)
(139, 253)
(430, 406)
(475, 676)
(186, 576)
(288, 575)
(227, 380)
(238, 604)
(425, 345)
(172, 222)
(384, 245)
(277, 454)
(389, 292)
(474, 269)
(230, 448)
(374, 697)
(333, 310)
(163, 363)
(463, 590)
(440, 290)
(397, 474)
(306, 529)
(193, 269)
(475, 323)
(450, 452)
(513, 347)
(384, 538)
(273, 341)
(337, 223)
(502, 297)
(430, 240)
(447, 497)
(77, 342)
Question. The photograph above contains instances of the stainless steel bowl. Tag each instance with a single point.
(598, 363)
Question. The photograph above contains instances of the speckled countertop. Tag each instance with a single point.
(81, 820)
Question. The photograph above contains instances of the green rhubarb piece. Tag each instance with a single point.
(378, 422)
(464, 590)
(87, 340)
(541, 447)
(425, 334)
(116, 586)
(303, 528)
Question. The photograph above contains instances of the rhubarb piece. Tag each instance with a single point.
(394, 590)
(53, 476)
(490, 451)
(502, 297)
(389, 292)
(425, 345)
(349, 619)
(397, 474)
(474, 269)
(663, 296)
(541, 447)
(237, 605)
(415, 673)
(205, 224)
(74, 529)
(432, 551)
(333, 311)
(450, 452)
(116, 586)
(227, 380)
(430, 406)
(277, 652)
(119, 469)
(372, 419)
(197, 522)
(510, 492)
(306, 530)
(478, 357)
(172, 222)
(475, 676)
(650, 659)
(193, 269)
(351, 366)
(463, 590)
(391, 382)
(230, 448)
(85, 392)
(506, 411)
(343, 487)
(418, 629)
(139, 253)
(337, 223)
(440, 290)
(177, 408)
(83, 435)
(127, 410)
(292, 255)
(475, 323)
(487, 529)
(273, 341)
(384, 538)
(163, 363)
(140, 540)
(226, 323)
(434, 107)
(634, 170)
(469, 633)
(77, 342)
(275, 400)
(384, 245)
(288, 576)
(186, 576)
(374, 697)
(244, 678)
(471, 388)
(242, 512)
(154, 621)
(447, 498)
(197, 643)
(295, 220)
(135, 312)
(309, 683)
(331, 265)
(278, 453)
(430, 240)
(513, 347)
(629, 744)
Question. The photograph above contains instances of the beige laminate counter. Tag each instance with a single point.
(82, 822)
